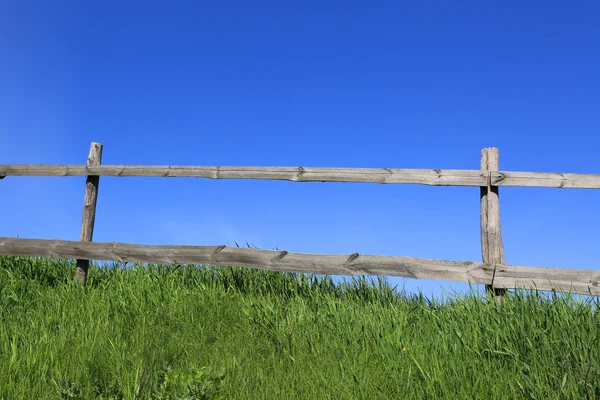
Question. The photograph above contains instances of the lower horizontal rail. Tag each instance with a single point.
(506, 276)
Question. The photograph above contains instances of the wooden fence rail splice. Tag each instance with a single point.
(89, 211)
(492, 249)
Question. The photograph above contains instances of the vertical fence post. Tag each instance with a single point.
(89, 211)
(492, 249)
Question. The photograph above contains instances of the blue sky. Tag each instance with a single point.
(327, 84)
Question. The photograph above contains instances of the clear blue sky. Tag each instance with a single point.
(328, 84)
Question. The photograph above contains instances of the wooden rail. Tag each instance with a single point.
(576, 281)
(493, 271)
(434, 177)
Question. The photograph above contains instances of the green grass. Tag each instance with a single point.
(155, 332)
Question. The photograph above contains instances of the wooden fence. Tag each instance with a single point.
(493, 272)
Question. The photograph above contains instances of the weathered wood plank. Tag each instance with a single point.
(579, 281)
(89, 211)
(492, 249)
(546, 179)
(433, 177)
(562, 280)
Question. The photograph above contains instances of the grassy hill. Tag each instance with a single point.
(156, 332)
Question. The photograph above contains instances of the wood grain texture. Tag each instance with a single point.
(433, 177)
(546, 179)
(492, 248)
(577, 281)
(89, 210)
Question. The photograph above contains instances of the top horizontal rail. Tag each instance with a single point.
(433, 177)
(296, 174)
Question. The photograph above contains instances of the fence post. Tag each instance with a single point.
(89, 210)
(492, 249)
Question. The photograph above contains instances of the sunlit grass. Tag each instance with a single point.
(157, 332)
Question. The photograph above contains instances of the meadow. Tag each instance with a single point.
(197, 332)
